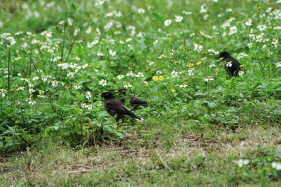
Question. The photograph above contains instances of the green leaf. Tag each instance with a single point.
(212, 105)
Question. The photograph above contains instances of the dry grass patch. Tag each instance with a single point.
(191, 153)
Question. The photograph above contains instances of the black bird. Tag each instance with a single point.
(116, 108)
(232, 66)
(134, 101)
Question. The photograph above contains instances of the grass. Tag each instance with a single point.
(202, 128)
(186, 158)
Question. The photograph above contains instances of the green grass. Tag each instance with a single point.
(52, 134)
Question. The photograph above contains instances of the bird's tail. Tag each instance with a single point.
(132, 115)
(137, 118)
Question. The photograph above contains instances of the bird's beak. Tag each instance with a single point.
(100, 95)
(221, 58)
(117, 91)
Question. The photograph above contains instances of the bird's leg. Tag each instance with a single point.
(120, 125)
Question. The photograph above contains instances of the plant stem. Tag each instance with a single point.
(64, 35)
(71, 47)
(9, 68)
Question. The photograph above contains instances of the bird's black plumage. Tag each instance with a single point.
(232, 66)
(116, 108)
(134, 101)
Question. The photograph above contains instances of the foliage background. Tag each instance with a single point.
(57, 56)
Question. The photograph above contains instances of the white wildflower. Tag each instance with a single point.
(103, 82)
(178, 18)
(167, 22)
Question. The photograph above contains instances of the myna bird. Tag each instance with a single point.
(134, 101)
(232, 66)
(116, 108)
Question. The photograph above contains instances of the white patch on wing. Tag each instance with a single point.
(127, 108)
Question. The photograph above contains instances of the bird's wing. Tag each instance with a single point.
(116, 106)
(136, 100)
(235, 62)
